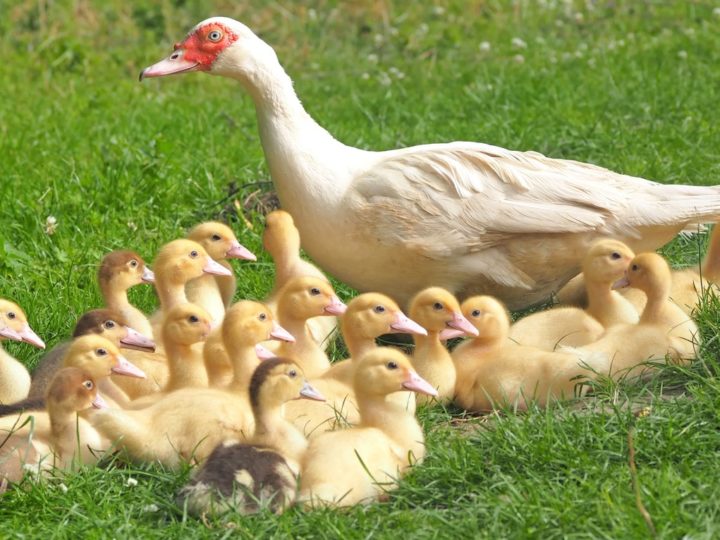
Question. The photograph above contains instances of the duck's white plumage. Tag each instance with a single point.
(470, 217)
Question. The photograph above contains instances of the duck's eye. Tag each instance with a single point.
(194, 254)
(175, 55)
(314, 291)
(437, 306)
(379, 309)
(262, 317)
(215, 36)
(109, 324)
(88, 385)
(215, 237)
(133, 263)
(615, 255)
(635, 268)
(101, 352)
(292, 373)
(391, 365)
(11, 315)
(193, 319)
(475, 313)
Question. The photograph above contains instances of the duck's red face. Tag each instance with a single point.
(197, 53)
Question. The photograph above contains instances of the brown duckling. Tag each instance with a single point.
(14, 377)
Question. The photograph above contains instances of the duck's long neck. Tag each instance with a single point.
(170, 293)
(274, 431)
(308, 354)
(601, 299)
(109, 389)
(115, 297)
(427, 350)
(244, 361)
(62, 427)
(357, 345)
(186, 367)
(657, 302)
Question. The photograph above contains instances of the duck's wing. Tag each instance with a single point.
(458, 198)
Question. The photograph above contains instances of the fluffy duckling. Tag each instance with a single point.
(57, 437)
(14, 377)
(281, 240)
(438, 312)
(492, 371)
(245, 478)
(214, 293)
(359, 464)
(183, 326)
(664, 329)
(120, 270)
(299, 300)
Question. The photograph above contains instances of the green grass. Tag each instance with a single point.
(630, 85)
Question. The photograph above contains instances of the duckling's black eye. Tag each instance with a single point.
(101, 352)
(193, 319)
(194, 254)
(634, 268)
(379, 309)
(88, 384)
(437, 306)
(475, 313)
(11, 315)
(314, 291)
(391, 365)
(109, 324)
(615, 255)
(133, 263)
(262, 317)
(215, 36)
(215, 237)
(292, 373)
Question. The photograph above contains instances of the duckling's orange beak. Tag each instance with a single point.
(263, 353)
(28, 336)
(238, 251)
(416, 383)
(99, 402)
(125, 367)
(136, 339)
(622, 282)
(309, 392)
(405, 325)
(9, 333)
(335, 307)
(148, 275)
(214, 267)
(279, 333)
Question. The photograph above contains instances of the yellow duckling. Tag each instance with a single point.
(14, 376)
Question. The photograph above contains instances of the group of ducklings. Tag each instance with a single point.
(247, 389)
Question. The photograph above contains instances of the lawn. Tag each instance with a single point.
(627, 84)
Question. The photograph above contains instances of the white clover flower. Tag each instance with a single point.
(131, 482)
(379, 39)
(485, 46)
(51, 224)
(395, 72)
(518, 43)
(372, 58)
(519, 58)
(438, 10)
(312, 14)
(63, 487)
(365, 76)
(150, 508)
(384, 79)
(716, 12)
(682, 55)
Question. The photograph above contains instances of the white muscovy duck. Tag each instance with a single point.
(470, 217)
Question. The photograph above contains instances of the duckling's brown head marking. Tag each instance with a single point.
(606, 261)
(219, 241)
(276, 381)
(123, 269)
(112, 326)
(73, 389)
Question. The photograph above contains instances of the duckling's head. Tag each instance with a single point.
(181, 260)
(386, 370)
(280, 234)
(112, 326)
(371, 315)
(123, 269)
(606, 261)
(437, 310)
(219, 241)
(278, 380)
(247, 323)
(15, 325)
(186, 324)
(650, 273)
(306, 297)
(489, 316)
(73, 389)
(99, 357)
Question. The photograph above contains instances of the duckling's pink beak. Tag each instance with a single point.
(9, 333)
(622, 282)
(148, 275)
(136, 339)
(263, 353)
(28, 336)
(214, 267)
(125, 367)
(459, 322)
(336, 307)
(417, 384)
(309, 392)
(99, 402)
(279, 333)
(172, 65)
(238, 251)
(405, 325)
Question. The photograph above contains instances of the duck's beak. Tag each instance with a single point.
(405, 325)
(148, 275)
(125, 367)
(238, 251)
(99, 402)
(263, 353)
(9, 333)
(214, 267)
(28, 336)
(309, 392)
(172, 65)
(459, 322)
(622, 282)
(335, 307)
(416, 383)
(136, 339)
(450, 333)
(279, 333)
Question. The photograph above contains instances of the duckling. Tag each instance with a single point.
(214, 293)
(14, 377)
(263, 473)
(57, 437)
(183, 326)
(281, 240)
(299, 300)
(664, 328)
(360, 464)
(436, 310)
(493, 371)
(120, 270)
